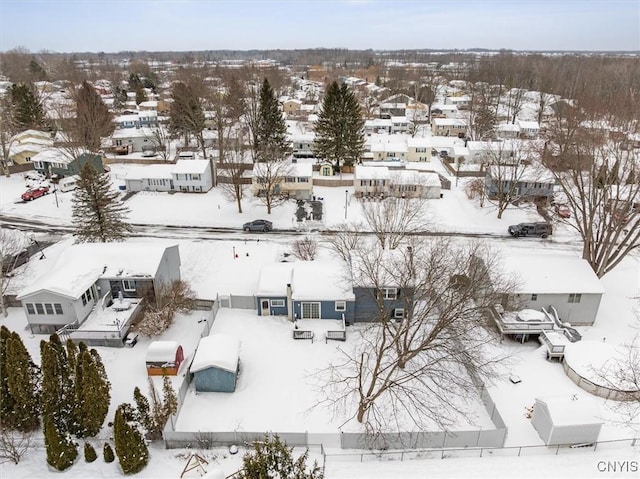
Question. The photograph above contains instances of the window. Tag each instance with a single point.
(289, 179)
(398, 313)
(129, 285)
(303, 180)
(39, 308)
(84, 299)
(277, 303)
(575, 297)
(30, 308)
(38, 165)
(48, 308)
(27, 159)
(534, 297)
(389, 293)
(341, 305)
(310, 310)
(58, 308)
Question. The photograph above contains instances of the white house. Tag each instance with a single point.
(185, 176)
(448, 127)
(414, 184)
(530, 129)
(371, 180)
(400, 125)
(291, 179)
(131, 140)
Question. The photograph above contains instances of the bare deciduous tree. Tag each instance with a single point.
(175, 297)
(345, 239)
(13, 445)
(232, 171)
(407, 367)
(391, 219)
(305, 249)
(271, 176)
(12, 243)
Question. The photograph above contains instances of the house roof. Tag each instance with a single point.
(162, 351)
(133, 133)
(551, 273)
(273, 279)
(80, 266)
(449, 122)
(52, 155)
(571, 410)
(321, 281)
(371, 172)
(190, 166)
(218, 351)
(415, 177)
(143, 172)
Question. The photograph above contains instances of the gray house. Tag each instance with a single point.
(90, 280)
(216, 364)
(306, 290)
(566, 420)
(563, 281)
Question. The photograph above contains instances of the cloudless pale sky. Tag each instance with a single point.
(179, 25)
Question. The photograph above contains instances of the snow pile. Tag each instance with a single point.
(217, 350)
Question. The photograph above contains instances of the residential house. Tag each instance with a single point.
(91, 280)
(529, 129)
(57, 162)
(140, 119)
(133, 140)
(385, 148)
(449, 127)
(378, 126)
(292, 106)
(523, 182)
(418, 149)
(295, 180)
(25, 145)
(563, 281)
(187, 176)
(405, 183)
(400, 125)
(371, 181)
(387, 110)
(461, 102)
(303, 144)
(306, 290)
(508, 131)
(440, 110)
(377, 294)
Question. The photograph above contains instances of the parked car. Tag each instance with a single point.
(563, 211)
(34, 193)
(258, 225)
(531, 229)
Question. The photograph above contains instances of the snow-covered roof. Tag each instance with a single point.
(508, 127)
(162, 351)
(418, 142)
(80, 266)
(273, 279)
(449, 122)
(288, 169)
(31, 135)
(371, 172)
(529, 125)
(321, 281)
(52, 155)
(413, 177)
(133, 133)
(155, 172)
(190, 166)
(220, 351)
(551, 273)
(572, 410)
(301, 170)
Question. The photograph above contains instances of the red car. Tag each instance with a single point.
(563, 211)
(34, 193)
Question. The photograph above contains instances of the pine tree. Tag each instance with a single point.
(107, 453)
(271, 142)
(140, 95)
(93, 120)
(131, 447)
(89, 453)
(27, 111)
(273, 458)
(339, 128)
(61, 451)
(92, 396)
(98, 213)
(57, 385)
(22, 386)
(170, 400)
(144, 411)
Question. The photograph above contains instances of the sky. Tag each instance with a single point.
(194, 25)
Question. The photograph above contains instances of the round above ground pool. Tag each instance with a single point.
(595, 367)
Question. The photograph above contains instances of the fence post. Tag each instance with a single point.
(557, 449)
(595, 445)
(519, 451)
(402, 456)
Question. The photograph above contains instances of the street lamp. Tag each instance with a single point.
(346, 202)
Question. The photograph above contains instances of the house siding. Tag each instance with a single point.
(328, 310)
(72, 311)
(366, 307)
(215, 380)
(582, 313)
(274, 311)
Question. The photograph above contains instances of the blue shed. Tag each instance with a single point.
(215, 364)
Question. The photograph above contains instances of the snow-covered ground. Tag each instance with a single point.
(212, 268)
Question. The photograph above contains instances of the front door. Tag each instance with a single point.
(310, 310)
(264, 305)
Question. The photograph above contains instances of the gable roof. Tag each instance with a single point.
(81, 265)
(218, 351)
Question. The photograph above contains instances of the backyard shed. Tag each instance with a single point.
(216, 363)
(567, 419)
(164, 357)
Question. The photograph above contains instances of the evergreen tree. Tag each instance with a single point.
(131, 447)
(140, 95)
(107, 453)
(93, 120)
(57, 385)
(22, 386)
(92, 396)
(144, 411)
(27, 111)
(272, 458)
(170, 400)
(271, 132)
(61, 451)
(98, 213)
(36, 71)
(6, 401)
(89, 453)
(339, 128)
